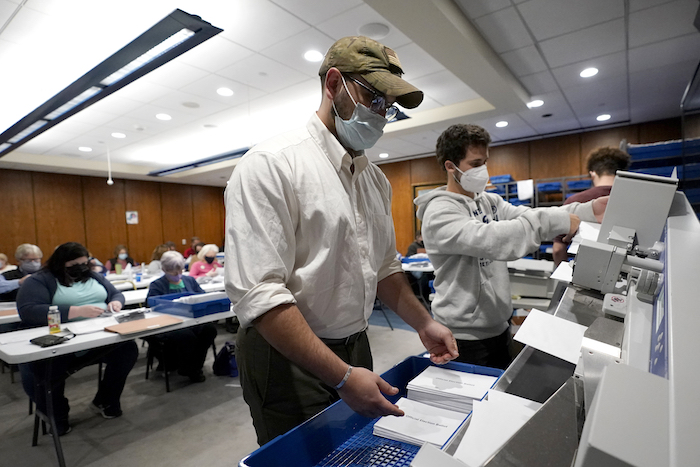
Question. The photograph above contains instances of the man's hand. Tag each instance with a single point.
(363, 394)
(599, 205)
(439, 341)
(575, 221)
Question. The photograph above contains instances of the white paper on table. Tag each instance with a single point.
(564, 272)
(493, 423)
(552, 335)
(430, 456)
(586, 230)
(525, 189)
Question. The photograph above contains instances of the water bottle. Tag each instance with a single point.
(54, 318)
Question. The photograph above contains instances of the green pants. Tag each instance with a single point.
(280, 394)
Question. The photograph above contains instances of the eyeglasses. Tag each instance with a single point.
(378, 104)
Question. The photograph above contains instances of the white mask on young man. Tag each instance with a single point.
(474, 180)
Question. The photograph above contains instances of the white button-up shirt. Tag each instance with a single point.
(302, 228)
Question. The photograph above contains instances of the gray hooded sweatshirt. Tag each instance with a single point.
(469, 241)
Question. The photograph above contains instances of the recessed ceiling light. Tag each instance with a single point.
(209, 125)
(190, 105)
(85, 149)
(118, 135)
(588, 72)
(374, 31)
(384, 155)
(535, 103)
(313, 56)
(225, 92)
(502, 124)
(164, 117)
(602, 118)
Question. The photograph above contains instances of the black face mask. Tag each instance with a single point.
(210, 259)
(79, 272)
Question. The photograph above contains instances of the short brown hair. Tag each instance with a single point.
(453, 143)
(607, 161)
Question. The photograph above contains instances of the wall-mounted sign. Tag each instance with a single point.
(132, 217)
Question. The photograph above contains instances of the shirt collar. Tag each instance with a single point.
(336, 153)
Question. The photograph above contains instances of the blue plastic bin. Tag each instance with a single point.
(549, 187)
(338, 436)
(165, 304)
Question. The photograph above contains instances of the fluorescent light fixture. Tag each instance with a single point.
(169, 38)
(27, 131)
(535, 103)
(603, 117)
(164, 117)
(383, 155)
(502, 124)
(118, 135)
(225, 92)
(200, 163)
(313, 56)
(85, 149)
(588, 72)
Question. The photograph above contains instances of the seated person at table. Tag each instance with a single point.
(67, 281)
(185, 348)
(207, 264)
(193, 257)
(4, 266)
(417, 246)
(121, 257)
(28, 258)
(192, 250)
(154, 267)
(419, 280)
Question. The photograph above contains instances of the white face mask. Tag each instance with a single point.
(474, 180)
(362, 130)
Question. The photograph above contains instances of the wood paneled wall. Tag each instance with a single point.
(543, 158)
(48, 209)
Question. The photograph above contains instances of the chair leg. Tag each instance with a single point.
(213, 349)
(164, 362)
(149, 360)
(31, 406)
(35, 436)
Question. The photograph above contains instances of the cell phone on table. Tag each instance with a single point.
(51, 339)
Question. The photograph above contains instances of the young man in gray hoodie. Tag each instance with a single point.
(469, 235)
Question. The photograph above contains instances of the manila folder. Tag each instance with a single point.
(141, 325)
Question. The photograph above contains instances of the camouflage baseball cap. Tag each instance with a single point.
(377, 64)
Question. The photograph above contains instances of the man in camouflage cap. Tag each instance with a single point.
(310, 244)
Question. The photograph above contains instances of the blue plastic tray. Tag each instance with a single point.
(165, 304)
(340, 437)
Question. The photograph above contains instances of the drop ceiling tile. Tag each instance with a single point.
(636, 5)
(666, 53)
(215, 54)
(662, 22)
(416, 62)
(207, 86)
(196, 107)
(445, 88)
(291, 51)
(654, 92)
(539, 83)
(74, 127)
(517, 128)
(477, 8)
(602, 39)
(423, 139)
(561, 116)
(149, 111)
(114, 105)
(263, 73)
(140, 91)
(427, 104)
(313, 11)
(525, 61)
(256, 24)
(6, 10)
(93, 116)
(349, 22)
(504, 30)
(608, 66)
(395, 147)
(600, 97)
(174, 75)
(551, 18)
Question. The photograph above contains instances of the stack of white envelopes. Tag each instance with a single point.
(449, 389)
(421, 424)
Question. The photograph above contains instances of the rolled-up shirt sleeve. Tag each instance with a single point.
(260, 236)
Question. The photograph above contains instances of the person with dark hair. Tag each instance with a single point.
(310, 243)
(154, 267)
(602, 164)
(470, 234)
(79, 293)
(121, 258)
(171, 246)
(191, 250)
(186, 348)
